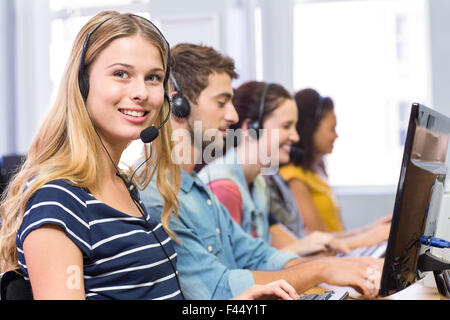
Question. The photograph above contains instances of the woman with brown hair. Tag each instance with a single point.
(307, 175)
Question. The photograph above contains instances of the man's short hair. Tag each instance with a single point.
(192, 64)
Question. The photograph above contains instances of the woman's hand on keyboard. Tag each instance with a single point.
(317, 242)
(377, 234)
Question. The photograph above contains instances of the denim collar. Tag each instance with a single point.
(187, 181)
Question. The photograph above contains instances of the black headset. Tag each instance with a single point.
(180, 104)
(83, 79)
(147, 135)
(255, 125)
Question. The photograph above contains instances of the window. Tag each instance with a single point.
(258, 44)
(77, 5)
(371, 58)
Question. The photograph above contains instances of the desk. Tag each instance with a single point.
(417, 291)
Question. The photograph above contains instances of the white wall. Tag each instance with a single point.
(439, 12)
(7, 97)
(361, 206)
(32, 67)
(277, 28)
(223, 24)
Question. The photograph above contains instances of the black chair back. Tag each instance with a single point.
(8, 166)
(13, 286)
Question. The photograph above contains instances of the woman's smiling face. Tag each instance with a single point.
(126, 89)
(283, 119)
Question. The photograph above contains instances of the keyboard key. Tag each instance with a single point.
(327, 295)
(309, 297)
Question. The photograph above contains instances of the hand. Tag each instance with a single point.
(378, 233)
(362, 273)
(382, 221)
(276, 290)
(318, 241)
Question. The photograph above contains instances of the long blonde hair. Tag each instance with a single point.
(67, 147)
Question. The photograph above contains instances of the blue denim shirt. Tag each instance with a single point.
(255, 202)
(215, 255)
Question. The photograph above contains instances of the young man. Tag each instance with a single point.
(216, 258)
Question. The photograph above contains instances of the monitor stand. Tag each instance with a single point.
(438, 225)
(441, 271)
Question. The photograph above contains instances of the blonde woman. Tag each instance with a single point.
(68, 221)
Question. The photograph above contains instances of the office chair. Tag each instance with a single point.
(8, 166)
(13, 286)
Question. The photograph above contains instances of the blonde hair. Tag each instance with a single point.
(67, 147)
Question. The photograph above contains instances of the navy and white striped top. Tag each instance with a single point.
(122, 259)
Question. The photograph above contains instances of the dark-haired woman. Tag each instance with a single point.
(307, 176)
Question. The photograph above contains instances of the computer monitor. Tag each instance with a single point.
(417, 203)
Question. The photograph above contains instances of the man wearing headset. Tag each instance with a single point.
(216, 258)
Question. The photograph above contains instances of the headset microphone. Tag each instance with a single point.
(151, 133)
(147, 135)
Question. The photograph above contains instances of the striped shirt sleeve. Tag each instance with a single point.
(58, 203)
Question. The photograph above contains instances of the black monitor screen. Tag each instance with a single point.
(423, 165)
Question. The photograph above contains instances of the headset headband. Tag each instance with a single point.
(83, 81)
(262, 103)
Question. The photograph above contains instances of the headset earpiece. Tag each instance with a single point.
(180, 105)
(83, 79)
(255, 125)
(253, 129)
(83, 83)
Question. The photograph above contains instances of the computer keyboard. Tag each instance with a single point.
(327, 295)
(376, 251)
